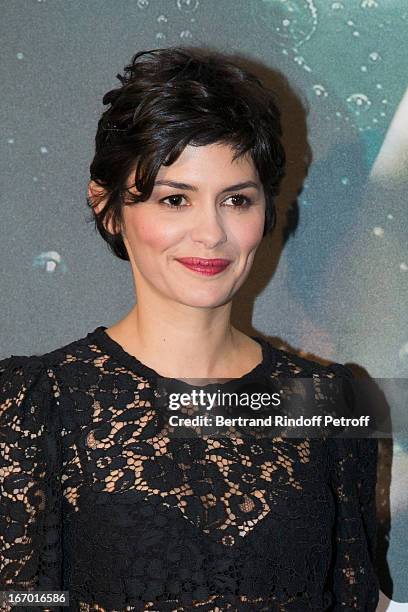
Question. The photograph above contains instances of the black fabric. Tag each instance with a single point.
(96, 500)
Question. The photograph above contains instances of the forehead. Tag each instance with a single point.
(210, 164)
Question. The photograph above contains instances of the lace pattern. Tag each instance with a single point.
(97, 500)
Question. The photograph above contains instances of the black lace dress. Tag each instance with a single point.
(97, 501)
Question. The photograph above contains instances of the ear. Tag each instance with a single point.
(94, 194)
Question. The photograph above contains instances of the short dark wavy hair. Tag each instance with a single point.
(170, 98)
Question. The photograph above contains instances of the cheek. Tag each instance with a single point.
(248, 235)
(144, 230)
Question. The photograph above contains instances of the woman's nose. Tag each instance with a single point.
(208, 226)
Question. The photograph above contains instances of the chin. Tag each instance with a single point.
(204, 301)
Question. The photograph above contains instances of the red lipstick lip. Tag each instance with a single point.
(200, 262)
(206, 267)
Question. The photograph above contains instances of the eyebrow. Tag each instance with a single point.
(188, 187)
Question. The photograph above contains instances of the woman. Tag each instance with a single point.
(97, 499)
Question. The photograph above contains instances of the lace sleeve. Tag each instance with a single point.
(353, 478)
(29, 478)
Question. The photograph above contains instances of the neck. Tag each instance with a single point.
(181, 341)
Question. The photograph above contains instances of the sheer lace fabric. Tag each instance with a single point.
(97, 500)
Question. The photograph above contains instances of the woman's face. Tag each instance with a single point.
(217, 212)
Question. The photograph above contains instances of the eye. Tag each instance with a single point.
(245, 201)
(174, 205)
(173, 201)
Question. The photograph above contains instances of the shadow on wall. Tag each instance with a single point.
(388, 605)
